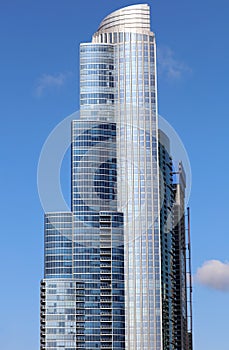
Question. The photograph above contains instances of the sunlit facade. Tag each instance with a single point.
(109, 278)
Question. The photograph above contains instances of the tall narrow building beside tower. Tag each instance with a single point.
(116, 265)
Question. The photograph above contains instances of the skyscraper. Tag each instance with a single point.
(114, 270)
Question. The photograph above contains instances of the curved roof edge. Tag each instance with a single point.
(132, 17)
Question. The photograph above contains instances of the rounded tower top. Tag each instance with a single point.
(130, 17)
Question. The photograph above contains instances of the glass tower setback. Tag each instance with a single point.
(98, 246)
(109, 279)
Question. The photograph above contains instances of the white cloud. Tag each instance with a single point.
(169, 65)
(214, 274)
(48, 81)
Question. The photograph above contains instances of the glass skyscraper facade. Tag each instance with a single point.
(112, 264)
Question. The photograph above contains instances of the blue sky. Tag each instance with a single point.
(39, 87)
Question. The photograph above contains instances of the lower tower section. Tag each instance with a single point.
(99, 267)
(60, 300)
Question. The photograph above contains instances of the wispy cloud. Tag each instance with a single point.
(49, 82)
(169, 65)
(214, 274)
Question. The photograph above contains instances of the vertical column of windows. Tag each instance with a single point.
(167, 246)
(59, 326)
(179, 232)
(58, 245)
(138, 185)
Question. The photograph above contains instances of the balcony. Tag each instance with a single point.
(107, 326)
(106, 300)
(106, 270)
(106, 346)
(106, 312)
(106, 306)
(106, 286)
(105, 277)
(106, 319)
